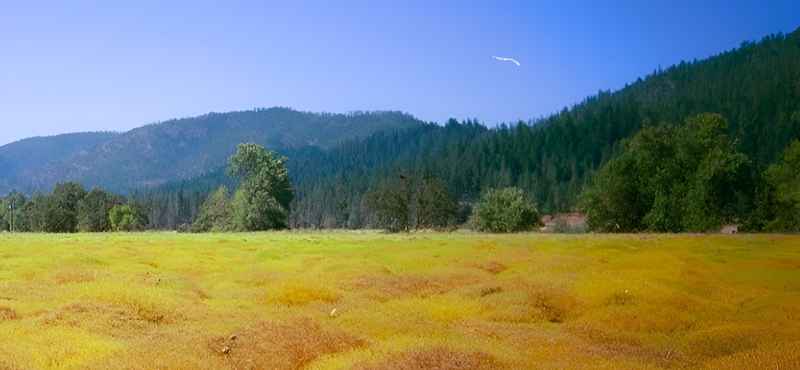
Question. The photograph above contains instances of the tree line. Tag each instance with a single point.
(666, 178)
(551, 160)
(70, 208)
(262, 202)
(555, 160)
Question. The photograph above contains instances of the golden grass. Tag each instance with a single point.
(338, 300)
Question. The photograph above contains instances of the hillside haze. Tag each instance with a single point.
(176, 149)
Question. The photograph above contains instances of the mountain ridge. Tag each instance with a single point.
(180, 148)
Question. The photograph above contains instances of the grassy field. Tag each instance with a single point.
(381, 301)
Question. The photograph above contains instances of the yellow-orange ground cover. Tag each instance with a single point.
(380, 301)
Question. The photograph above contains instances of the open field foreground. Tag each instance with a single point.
(424, 301)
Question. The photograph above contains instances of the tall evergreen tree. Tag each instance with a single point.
(216, 215)
(59, 210)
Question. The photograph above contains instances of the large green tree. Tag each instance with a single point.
(671, 179)
(59, 210)
(778, 197)
(262, 202)
(392, 204)
(436, 207)
(505, 211)
(94, 209)
(410, 202)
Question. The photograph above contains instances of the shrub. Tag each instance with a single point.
(505, 211)
(127, 218)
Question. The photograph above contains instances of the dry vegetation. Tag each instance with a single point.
(425, 301)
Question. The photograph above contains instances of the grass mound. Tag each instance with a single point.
(287, 346)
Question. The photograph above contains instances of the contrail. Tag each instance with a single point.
(498, 58)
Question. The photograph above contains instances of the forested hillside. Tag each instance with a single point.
(20, 158)
(176, 149)
(756, 87)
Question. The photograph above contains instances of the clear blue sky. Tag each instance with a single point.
(69, 66)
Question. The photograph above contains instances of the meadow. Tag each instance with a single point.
(339, 300)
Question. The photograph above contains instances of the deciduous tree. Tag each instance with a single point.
(505, 211)
(128, 218)
(670, 179)
(59, 210)
(414, 203)
(262, 202)
(93, 210)
(778, 197)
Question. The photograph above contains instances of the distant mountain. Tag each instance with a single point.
(36, 152)
(176, 149)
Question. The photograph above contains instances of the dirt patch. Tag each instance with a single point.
(730, 229)
(562, 222)
(8, 313)
(491, 290)
(493, 268)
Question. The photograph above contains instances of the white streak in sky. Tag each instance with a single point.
(507, 59)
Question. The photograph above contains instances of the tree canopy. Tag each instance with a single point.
(671, 179)
(411, 203)
(778, 197)
(263, 200)
(128, 218)
(94, 210)
(505, 211)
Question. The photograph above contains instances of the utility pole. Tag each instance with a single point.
(11, 208)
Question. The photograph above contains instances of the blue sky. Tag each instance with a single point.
(113, 65)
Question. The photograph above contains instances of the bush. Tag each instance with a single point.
(505, 211)
(127, 218)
